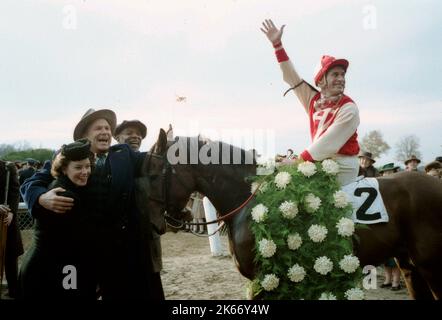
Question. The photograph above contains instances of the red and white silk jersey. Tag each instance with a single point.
(332, 125)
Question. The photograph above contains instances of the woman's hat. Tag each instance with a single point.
(90, 116)
(367, 155)
(388, 166)
(131, 123)
(78, 150)
(413, 157)
(328, 62)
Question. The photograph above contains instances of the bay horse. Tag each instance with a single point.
(413, 201)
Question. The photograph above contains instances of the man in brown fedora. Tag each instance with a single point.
(120, 236)
(412, 163)
(366, 167)
(131, 132)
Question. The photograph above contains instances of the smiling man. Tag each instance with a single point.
(120, 236)
(334, 117)
(131, 132)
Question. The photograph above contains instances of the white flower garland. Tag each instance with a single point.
(327, 296)
(296, 273)
(270, 282)
(323, 265)
(267, 248)
(312, 203)
(354, 294)
(259, 213)
(282, 179)
(341, 199)
(346, 227)
(317, 233)
(307, 168)
(289, 209)
(330, 167)
(349, 263)
(294, 241)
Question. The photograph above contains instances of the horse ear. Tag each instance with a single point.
(161, 145)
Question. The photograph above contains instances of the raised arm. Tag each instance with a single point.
(302, 89)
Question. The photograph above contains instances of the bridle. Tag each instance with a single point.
(167, 172)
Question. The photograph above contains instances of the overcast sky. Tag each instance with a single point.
(59, 58)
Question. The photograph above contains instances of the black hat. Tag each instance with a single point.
(92, 115)
(131, 123)
(78, 150)
(368, 155)
(438, 159)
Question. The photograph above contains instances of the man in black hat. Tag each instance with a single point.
(131, 132)
(120, 236)
(366, 162)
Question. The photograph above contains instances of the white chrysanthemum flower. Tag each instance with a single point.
(331, 167)
(296, 273)
(323, 265)
(346, 227)
(327, 296)
(307, 168)
(262, 188)
(294, 241)
(354, 294)
(259, 212)
(317, 233)
(267, 248)
(289, 209)
(270, 282)
(341, 199)
(312, 203)
(349, 263)
(282, 179)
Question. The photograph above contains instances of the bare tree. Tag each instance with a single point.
(406, 147)
(374, 142)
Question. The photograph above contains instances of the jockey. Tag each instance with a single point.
(334, 117)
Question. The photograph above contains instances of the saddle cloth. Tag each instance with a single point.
(368, 206)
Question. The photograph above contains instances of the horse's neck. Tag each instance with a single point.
(225, 194)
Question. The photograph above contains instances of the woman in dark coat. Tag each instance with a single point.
(55, 267)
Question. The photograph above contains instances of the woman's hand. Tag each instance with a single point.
(273, 34)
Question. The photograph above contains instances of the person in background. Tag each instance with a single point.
(392, 274)
(366, 167)
(412, 163)
(434, 169)
(14, 244)
(131, 132)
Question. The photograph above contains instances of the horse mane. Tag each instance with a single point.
(235, 156)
